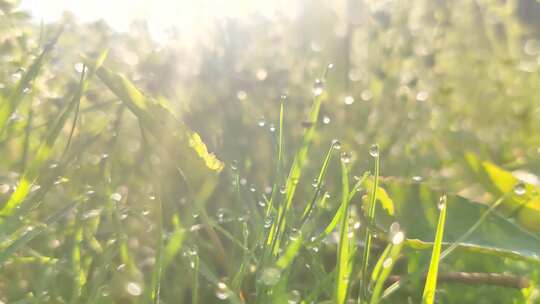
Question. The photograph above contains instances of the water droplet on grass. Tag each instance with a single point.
(326, 120)
(374, 150)
(337, 144)
(345, 157)
(520, 189)
(442, 202)
(261, 122)
(222, 291)
(318, 87)
(116, 197)
(387, 263)
(134, 289)
(294, 297)
(79, 66)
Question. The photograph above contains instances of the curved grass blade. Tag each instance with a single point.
(154, 116)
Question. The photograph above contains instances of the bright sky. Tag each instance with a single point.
(189, 16)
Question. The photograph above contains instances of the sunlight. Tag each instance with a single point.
(189, 18)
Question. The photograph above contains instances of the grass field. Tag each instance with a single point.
(360, 152)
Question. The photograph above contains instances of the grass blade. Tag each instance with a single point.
(428, 296)
(8, 107)
(343, 262)
(43, 153)
(374, 151)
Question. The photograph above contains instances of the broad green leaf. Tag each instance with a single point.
(525, 207)
(416, 211)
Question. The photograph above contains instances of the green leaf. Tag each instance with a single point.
(525, 207)
(186, 146)
(417, 214)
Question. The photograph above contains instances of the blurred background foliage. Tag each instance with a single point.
(426, 80)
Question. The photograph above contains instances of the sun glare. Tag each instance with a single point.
(190, 18)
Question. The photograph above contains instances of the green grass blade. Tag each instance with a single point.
(371, 220)
(8, 106)
(318, 187)
(195, 280)
(294, 175)
(385, 265)
(154, 115)
(43, 154)
(430, 287)
(343, 256)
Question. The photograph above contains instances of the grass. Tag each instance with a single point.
(124, 183)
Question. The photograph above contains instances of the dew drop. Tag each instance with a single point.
(4, 188)
(283, 97)
(295, 235)
(241, 95)
(294, 297)
(374, 150)
(315, 183)
(261, 122)
(79, 66)
(272, 128)
(366, 95)
(222, 291)
(442, 202)
(337, 144)
(268, 222)
(133, 289)
(520, 188)
(234, 165)
(116, 197)
(326, 120)
(422, 96)
(282, 189)
(417, 178)
(261, 74)
(345, 157)
(387, 263)
(398, 237)
(349, 100)
(318, 87)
